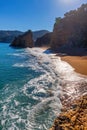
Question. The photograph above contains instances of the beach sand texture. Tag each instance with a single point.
(77, 62)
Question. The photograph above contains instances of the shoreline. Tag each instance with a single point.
(73, 84)
(79, 63)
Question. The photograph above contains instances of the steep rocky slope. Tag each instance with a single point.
(71, 30)
(74, 118)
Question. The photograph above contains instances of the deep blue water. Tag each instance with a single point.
(26, 102)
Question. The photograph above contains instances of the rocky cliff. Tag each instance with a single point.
(44, 40)
(73, 119)
(71, 30)
(22, 41)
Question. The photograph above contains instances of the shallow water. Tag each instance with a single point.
(29, 89)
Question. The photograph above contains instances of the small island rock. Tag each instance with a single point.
(23, 41)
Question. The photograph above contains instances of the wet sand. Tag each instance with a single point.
(77, 62)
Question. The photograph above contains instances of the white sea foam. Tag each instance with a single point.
(65, 70)
(42, 93)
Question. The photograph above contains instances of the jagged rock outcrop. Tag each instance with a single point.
(71, 30)
(23, 41)
(74, 118)
(44, 40)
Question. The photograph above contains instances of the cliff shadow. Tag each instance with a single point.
(71, 51)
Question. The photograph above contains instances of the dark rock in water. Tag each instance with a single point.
(44, 40)
(7, 36)
(71, 30)
(23, 41)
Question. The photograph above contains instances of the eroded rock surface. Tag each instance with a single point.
(73, 119)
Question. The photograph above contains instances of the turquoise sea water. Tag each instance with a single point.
(26, 86)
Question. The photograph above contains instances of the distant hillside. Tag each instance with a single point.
(71, 30)
(8, 36)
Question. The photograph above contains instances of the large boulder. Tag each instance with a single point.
(23, 41)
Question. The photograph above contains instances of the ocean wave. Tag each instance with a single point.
(34, 105)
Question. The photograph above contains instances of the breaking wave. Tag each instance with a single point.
(34, 104)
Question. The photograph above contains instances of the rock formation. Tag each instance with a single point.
(74, 118)
(7, 36)
(71, 30)
(23, 41)
(44, 40)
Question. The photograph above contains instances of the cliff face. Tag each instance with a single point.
(23, 41)
(71, 30)
(44, 40)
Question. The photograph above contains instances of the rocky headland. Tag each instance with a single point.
(24, 40)
(32, 39)
(69, 34)
(71, 30)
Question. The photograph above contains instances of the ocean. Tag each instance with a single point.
(29, 89)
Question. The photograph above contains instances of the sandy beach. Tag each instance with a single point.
(77, 62)
(74, 85)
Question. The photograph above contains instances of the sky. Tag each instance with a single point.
(34, 14)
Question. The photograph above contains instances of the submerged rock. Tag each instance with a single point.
(73, 119)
